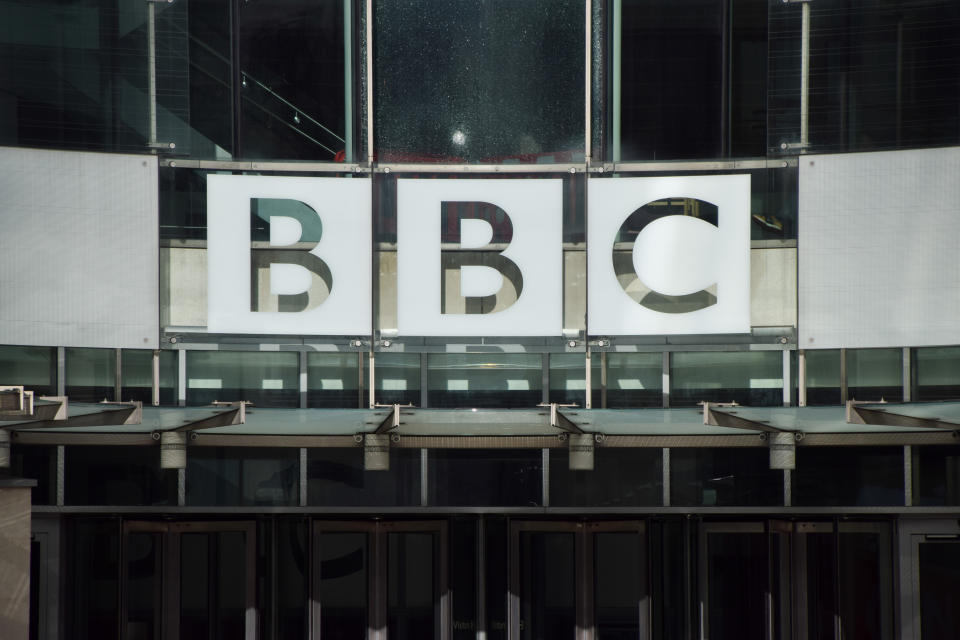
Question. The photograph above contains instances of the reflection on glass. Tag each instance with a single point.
(242, 476)
(823, 376)
(621, 477)
(471, 477)
(634, 380)
(875, 374)
(336, 477)
(342, 589)
(291, 547)
(936, 475)
(753, 378)
(547, 585)
(411, 586)
(463, 577)
(865, 584)
(484, 380)
(938, 373)
(117, 475)
(568, 378)
(136, 371)
(34, 368)
(213, 577)
(143, 596)
(939, 590)
(267, 379)
(736, 585)
(495, 534)
(93, 580)
(333, 380)
(37, 462)
(397, 378)
(91, 374)
(488, 81)
(620, 585)
(724, 477)
(848, 476)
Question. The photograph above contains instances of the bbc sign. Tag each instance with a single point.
(476, 257)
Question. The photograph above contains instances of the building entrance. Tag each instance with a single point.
(930, 579)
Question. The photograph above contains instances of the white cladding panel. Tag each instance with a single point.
(78, 249)
(878, 238)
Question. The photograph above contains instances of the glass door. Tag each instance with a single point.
(379, 580)
(578, 580)
(930, 581)
(188, 581)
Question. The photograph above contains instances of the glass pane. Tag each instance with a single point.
(39, 463)
(463, 577)
(620, 585)
(94, 559)
(821, 583)
(865, 584)
(753, 378)
(136, 370)
(231, 584)
(397, 378)
(936, 475)
(939, 566)
(267, 379)
(342, 589)
(724, 477)
(411, 586)
(621, 477)
(91, 374)
(333, 380)
(547, 585)
(213, 584)
(471, 477)
(243, 476)
(496, 537)
(117, 475)
(211, 81)
(634, 380)
(34, 368)
(336, 477)
(143, 595)
(823, 376)
(736, 586)
(291, 547)
(848, 476)
(484, 380)
(671, 79)
(195, 611)
(568, 378)
(488, 81)
(292, 79)
(875, 374)
(938, 373)
(882, 75)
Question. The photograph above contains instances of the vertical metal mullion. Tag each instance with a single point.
(152, 73)
(616, 79)
(303, 476)
(236, 74)
(588, 377)
(666, 476)
(368, 59)
(603, 379)
(424, 478)
(545, 477)
(423, 381)
(61, 470)
(251, 593)
(844, 392)
(545, 378)
(378, 584)
(181, 377)
(907, 476)
(787, 382)
(588, 85)
(348, 80)
(584, 582)
(369, 356)
(802, 377)
(118, 374)
(665, 377)
(906, 375)
(155, 385)
(481, 579)
(804, 75)
(61, 371)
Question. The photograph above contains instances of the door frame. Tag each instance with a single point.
(584, 628)
(377, 532)
(169, 585)
(912, 534)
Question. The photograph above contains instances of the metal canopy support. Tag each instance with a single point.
(713, 416)
(857, 413)
(235, 414)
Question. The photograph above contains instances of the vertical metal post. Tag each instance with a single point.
(805, 76)
(787, 488)
(348, 80)
(545, 378)
(303, 476)
(368, 56)
(545, 470)
(587, 82)
(152, 71)
(61, 473)
(603, 379)
(844, 395)
(371, 377)
(302, 385)
(181, 487)
(665, 379)
(61, 371)
(481, 579)
(118, 375)
(181, 378)
(588, 376)
(787, 382)
(907, 375)
(802, 377)
(907, 476)
(155, 386)
(666, 477)
(616, 73)
(423, 381)
(424, 476)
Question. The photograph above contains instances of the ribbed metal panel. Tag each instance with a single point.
(79, 252)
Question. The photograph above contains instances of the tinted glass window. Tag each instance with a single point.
(721, 477)
(848, 476)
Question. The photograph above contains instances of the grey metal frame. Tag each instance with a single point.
(911, 534)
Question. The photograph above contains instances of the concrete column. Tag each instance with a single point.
(15, 558)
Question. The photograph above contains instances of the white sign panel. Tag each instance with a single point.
(686, 274)
(312, 276)
(498, 271)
